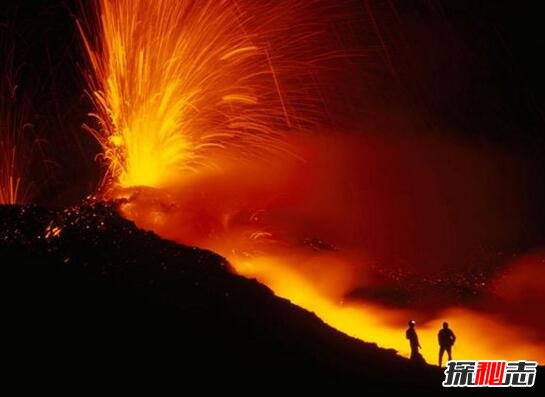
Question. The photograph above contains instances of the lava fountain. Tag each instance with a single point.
(192, 105)
(175, 83)
(15, 146)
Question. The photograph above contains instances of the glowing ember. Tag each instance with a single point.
(52, 231)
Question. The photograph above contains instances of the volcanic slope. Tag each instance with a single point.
(91, 297)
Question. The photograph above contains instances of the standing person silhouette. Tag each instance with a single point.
(413, 341)
(446, 339)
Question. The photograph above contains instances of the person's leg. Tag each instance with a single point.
(449, 352)
(414, 352)
(441, 352)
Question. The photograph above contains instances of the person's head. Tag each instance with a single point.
(412, 323)
(445, 325)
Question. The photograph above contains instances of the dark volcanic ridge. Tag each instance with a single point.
(92, 296)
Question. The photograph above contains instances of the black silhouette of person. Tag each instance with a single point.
(413, 341)
(446, 339)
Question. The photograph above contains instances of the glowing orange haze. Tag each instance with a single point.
(187, 96)
(236, 222)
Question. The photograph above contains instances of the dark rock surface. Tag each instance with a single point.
(93, 299)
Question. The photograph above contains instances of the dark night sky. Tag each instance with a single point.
(469, 68)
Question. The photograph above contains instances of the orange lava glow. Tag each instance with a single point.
(242, 223)
(371, 322)
(175, 82)
(192, 104)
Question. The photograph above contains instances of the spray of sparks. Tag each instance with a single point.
(179, 85)
(15, 148)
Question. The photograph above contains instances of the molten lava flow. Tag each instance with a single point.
(175, 82)
(319, 282)
(372, 322)
(267, 222)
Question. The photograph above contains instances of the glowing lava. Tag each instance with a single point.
(258, 226)
(183, 86)
(372, 322)
(174, 83)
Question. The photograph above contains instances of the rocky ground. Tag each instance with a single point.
(92, 299)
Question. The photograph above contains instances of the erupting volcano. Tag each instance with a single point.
(180, 86)
(348, 155)
(215, 88)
